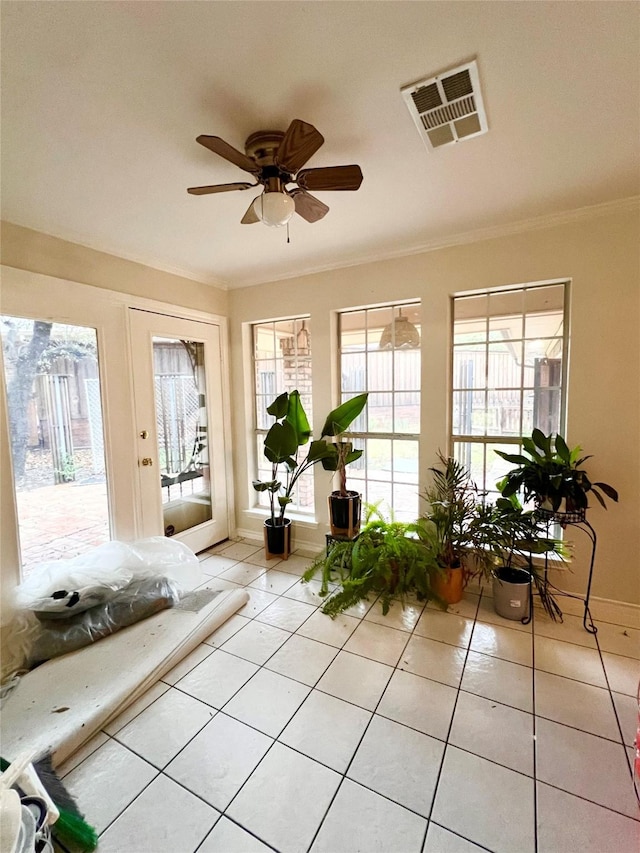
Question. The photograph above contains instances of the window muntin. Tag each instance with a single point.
(508, 373)
(388, 429)
(282, 362)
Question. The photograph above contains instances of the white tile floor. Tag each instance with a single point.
(415, 732)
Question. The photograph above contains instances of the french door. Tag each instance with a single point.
(177, 382)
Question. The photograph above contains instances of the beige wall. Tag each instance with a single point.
(599, 255)
(30, 250)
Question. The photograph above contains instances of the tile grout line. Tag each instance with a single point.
(615, 712)
(366, 728)
(312, 688)
(453, 713)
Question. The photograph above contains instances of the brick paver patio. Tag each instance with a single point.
(61, 521)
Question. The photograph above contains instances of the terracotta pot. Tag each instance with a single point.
(449, 587)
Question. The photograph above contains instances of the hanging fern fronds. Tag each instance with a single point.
(389, 558)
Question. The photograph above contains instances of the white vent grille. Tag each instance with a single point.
(447, 108)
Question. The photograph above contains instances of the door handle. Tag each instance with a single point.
(147, 460)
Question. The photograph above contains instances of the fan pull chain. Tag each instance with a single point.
(288, 240)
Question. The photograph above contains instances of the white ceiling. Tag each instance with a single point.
(102, 101)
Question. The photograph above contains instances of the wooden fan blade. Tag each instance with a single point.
(219, 188)
(300, 142)
(309, 207)
(223, 149)
(330, 178)
(250, 216)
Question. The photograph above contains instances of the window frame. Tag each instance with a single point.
(258, 432)
(493, 438)
(360, 437)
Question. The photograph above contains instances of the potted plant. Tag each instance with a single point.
(286, 436)
(507, 540)
(550, 474)
(344, 504)
(389, 558)
(452, 499)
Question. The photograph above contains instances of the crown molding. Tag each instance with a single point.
(478, 235)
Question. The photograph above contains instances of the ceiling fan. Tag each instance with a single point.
(275, 160)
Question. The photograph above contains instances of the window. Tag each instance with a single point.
(380, 353)
(509, 373)
(282, 362)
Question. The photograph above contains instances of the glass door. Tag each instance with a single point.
(178, 400)
(54, 404)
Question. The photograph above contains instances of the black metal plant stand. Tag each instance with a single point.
(578, 519)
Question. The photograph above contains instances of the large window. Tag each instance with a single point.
(282, 362)
(380, 353)
(509, 373)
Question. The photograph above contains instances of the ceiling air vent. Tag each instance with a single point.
(447, 108)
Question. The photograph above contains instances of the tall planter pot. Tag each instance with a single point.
(511, 593)
(344, 514)
(277, 538)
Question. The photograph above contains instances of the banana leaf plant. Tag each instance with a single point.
(340, 452)
(282, 443)
(551, 472)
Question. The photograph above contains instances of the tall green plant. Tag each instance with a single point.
(286, 436)
(341, 453)
(451, 507)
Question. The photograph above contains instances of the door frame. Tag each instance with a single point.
(197, 537)
(37, 296)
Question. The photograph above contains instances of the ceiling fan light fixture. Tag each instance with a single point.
(274, 208)
(399, 334)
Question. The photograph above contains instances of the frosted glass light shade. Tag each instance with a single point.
(274, 208)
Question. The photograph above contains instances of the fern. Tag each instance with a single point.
(389, 558)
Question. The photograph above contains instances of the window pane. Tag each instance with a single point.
(354, 372)
(505, 360)
(503, 412)
(405, 502)
(380, 366)
(405, 461)
(407, 370)
(542, 410)
(377, 319)
(471, 455)
(505, 313)
(469, 412)
(380, 412)
(406, 414)
(546, 305)
(543, 363)
(379, 464)
(382, 493)
(469, 366)
(57, 442)
(471, 309)
(353, 336)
